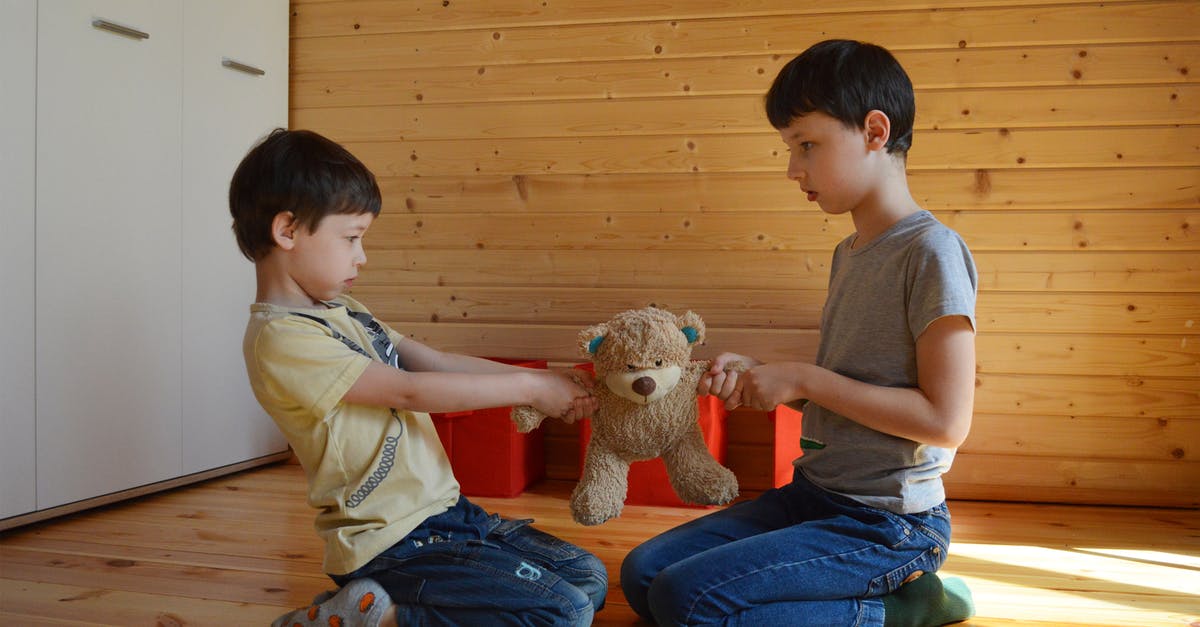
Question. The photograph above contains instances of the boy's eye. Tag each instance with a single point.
(806, 146)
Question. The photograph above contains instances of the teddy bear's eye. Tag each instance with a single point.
(658, 363)
(630, 367)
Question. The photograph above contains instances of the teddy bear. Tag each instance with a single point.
(646, 388)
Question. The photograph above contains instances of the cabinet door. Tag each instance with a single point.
(226, 110)
(18, 74)
(108, 247)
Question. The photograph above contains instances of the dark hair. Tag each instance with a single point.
(845, 80)
(301, 172)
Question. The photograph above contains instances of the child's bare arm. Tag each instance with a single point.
(436, 381)
(936, 412)
(417, 357)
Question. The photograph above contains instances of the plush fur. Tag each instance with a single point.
(646, 387)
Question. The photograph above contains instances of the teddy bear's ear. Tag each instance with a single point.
(692, 326)
(590, 339)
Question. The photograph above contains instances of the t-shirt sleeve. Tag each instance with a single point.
(942, 281)
(393, 335)
(300, 361)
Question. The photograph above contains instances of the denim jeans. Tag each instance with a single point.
(466, 567)
(797, 555)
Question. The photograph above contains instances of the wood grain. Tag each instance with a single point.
(1003, 189)
(241, 549)
(900, 30)
(1082, 63)
(545, 165)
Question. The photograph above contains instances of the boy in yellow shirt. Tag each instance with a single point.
(352, 397)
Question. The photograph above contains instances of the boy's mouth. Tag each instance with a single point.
(811, 196)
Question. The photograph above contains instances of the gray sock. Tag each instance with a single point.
(360, 602)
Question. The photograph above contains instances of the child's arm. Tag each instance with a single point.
(418, 357)
(936, 412)
(437, 381)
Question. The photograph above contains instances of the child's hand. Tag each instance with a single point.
(581, 407)
(560, 395)
(767, 385)
(722, 382)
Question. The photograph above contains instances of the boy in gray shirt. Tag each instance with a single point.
(857, 536)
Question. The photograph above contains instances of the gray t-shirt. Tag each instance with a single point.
(881, 298)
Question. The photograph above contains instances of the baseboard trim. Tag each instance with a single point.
(78, 506)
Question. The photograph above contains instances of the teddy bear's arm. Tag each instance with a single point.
(695, 368)
(526, 418)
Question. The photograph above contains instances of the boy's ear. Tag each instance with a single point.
(283, 229)
(879, 129)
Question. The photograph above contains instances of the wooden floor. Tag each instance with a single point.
(241, 550)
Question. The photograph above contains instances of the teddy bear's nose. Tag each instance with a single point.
(644, 386)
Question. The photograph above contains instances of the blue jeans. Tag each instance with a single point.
(466, 567)
(797, 555)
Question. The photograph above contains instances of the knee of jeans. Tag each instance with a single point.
(592, 579)
(587, 573)
(586, 615)
(575, 605)
(669, 599)
(635, 580)
(636, 568)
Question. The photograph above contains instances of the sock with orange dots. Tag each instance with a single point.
(360, 602)
(927, 601)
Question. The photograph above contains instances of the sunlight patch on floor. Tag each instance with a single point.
(1151, 557)
(1128, 587)
(1143, 569)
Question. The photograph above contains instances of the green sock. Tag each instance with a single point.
(928, 601)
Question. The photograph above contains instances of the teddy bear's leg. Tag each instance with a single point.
(600, 494)
(695, 475)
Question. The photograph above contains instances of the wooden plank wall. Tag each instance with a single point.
(547, 163)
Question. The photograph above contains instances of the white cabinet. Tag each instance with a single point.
(108, 248)
(141, 294)
(225, 111)
(18, 77)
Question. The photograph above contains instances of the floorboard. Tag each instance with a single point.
(241, 549)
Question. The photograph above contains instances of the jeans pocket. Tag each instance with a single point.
(508, 526)
(934, 525)
(927, 561)
(530, 541)
(893, 530)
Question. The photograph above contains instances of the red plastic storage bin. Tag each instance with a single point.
(488, 455)
(787, 442)
(648, 482)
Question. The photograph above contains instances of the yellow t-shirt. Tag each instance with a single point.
(373, 474)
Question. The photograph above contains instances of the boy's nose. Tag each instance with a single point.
(793, 170)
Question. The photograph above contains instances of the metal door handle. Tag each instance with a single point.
(241, 67)
(113, 27)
